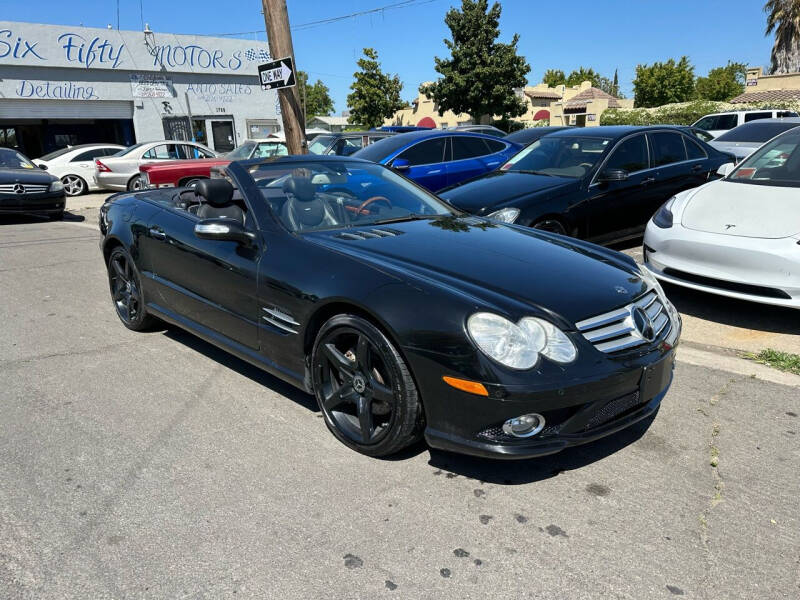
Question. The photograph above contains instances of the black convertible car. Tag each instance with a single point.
(27, 190)
(598, 183)
(402, 315)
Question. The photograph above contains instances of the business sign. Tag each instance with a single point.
(36, 45)
(277, 74)
(151, 85)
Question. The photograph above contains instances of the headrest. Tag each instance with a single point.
(300, 187)
(217, 192)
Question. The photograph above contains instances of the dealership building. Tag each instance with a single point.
(62, 85)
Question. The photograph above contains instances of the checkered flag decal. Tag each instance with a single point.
(250, 54)
(260, 54)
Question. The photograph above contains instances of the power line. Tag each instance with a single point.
(312, 24)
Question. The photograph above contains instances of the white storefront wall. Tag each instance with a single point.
(62, 72)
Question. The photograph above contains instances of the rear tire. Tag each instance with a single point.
(126, 291)
(74, 185)
(363, 387)
(192, 183)
(136, 184)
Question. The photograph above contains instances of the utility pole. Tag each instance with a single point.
(279, 37)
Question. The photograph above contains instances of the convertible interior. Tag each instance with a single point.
(302, 201)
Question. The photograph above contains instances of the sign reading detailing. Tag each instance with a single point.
(148, 85)
(277, 74)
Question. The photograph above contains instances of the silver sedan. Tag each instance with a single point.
(121, 171)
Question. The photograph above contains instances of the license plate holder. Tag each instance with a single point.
(656, 377)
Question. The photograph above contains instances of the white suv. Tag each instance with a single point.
(718, 123)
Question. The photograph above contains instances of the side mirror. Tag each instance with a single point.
(43, 167)
(400, 164)
(613, 175)
(224, 230)
(726, 169)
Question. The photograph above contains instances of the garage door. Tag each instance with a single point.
(66, 109)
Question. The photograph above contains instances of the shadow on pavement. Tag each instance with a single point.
(730, 311)
(34, 218)
(516, 472)
(242, 367)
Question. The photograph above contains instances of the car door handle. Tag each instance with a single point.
(648, 180)
(157, 233)
(697, 168)
(434, 172)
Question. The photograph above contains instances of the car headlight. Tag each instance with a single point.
(663, 218)
(518, 345)
(56, 186)
(506, 215)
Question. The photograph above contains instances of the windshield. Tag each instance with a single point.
(756, 132)
(57, 153)
(312, 196)
(775, 163)
(11, 159)
(559, 156)
(320, 143)
(242, 152)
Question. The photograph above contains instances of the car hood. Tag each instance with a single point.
(497, 262)
(501, 188)
(744, 209)
(25, 176)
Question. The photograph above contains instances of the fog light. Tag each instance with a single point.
(524, 426)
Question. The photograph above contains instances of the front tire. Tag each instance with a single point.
(363, 387)
(551, 225)
(126, 291)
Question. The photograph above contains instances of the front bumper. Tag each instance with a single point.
(588, 408)
(47, 203)
(753, 269)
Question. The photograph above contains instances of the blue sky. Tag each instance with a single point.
(620, 35)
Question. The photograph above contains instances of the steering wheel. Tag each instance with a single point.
(372, 200)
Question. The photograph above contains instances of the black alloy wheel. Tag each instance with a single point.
(126, 291)
(550, 225)
(363, 387)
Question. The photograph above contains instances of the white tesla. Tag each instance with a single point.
(738, 236)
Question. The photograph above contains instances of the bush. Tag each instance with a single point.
(684, 113)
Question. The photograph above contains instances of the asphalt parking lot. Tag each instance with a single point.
(156, 466)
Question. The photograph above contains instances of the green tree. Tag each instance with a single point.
(315, 99)
(722, 83)
(480, 76)
(615, 85)
(580, 75)
(783, 18)
(554, 77)
(664, 83)
(375, 95)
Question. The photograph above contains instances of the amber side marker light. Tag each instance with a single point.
(473, 387)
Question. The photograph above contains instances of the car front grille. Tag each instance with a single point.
(22, 188)
(613, 409)
(617, 330)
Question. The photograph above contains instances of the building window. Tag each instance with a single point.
(8, 137)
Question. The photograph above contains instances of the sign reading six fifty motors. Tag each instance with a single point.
(277, 74)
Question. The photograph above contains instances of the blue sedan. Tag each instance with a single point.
(437, 159)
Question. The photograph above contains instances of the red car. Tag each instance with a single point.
(186, 173)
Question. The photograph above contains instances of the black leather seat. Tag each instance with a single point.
(303, 209)
(217, 196)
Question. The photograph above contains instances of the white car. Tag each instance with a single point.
(718, 123)
(74, 165)
(738, 236)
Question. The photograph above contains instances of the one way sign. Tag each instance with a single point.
(277, 74)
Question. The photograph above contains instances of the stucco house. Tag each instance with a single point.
(769, 88)
(579, 105)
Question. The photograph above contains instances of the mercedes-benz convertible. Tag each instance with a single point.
(403, 316)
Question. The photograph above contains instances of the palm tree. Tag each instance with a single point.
(783, 18)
